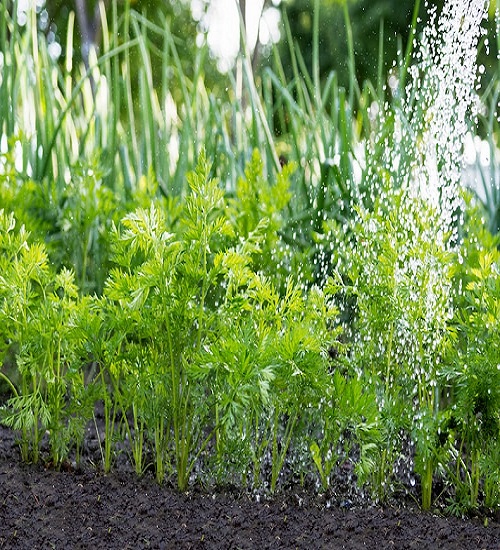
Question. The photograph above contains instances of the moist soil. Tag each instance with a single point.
(81, 507)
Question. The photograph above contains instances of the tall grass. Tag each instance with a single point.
(138, 123)
(486, 175)
(60, 113)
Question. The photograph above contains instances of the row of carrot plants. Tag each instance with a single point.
(215, 367)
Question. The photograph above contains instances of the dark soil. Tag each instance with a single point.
(82, 508)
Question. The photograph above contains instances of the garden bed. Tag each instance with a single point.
(83, 508)
(279, 291)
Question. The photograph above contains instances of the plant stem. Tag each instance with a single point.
(389, 359)
(10, 384)
(279, 457)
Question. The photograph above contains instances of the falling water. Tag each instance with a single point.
(444, 78)
(402, 252)
(400, 265)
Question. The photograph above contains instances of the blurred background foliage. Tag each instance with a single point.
(375, 24)
(380, 30)
(389, 19)
(176, 14)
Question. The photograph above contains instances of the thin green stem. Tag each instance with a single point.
(6, 379)
(389, 359)
(278, 457)
(409, 46)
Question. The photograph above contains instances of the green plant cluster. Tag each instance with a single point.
(203, 362)
(195, 355)
(40, 312)
(423, 339)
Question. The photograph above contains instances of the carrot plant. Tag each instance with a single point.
(350, 422)
(237, 363)
(256, 198)
(266, 366)
(83, 213)
(473, 374)
(305, 334)
(401, 277)
(40, 312)
(162, 295)
(25, 276)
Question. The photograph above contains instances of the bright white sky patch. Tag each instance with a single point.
(222, 21)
